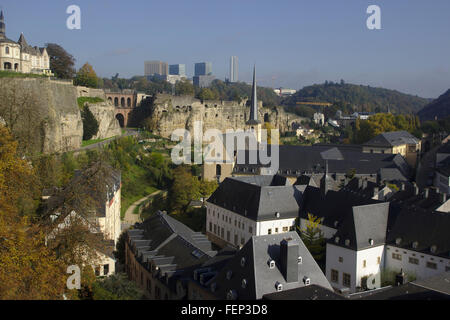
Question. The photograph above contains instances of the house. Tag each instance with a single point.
(21, 57)
(104, 217)
(242, 207)
(267, 264)
(161, 255)
(396, 142)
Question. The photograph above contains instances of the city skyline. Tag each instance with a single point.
(294, 44)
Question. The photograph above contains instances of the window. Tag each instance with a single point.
(285, 229)
(242, 241)
(334, 275)
(222, 233)
(341, 259)
(269, 231)
(215, 229)
(239, 224)
(431, 265)
(413, 260)
(364, 263)
(228, 236)
(7, 50)
(397, 256)
(235, 240)
(378, 260)
(106, 269)
(276, 230)
(346, 280)
(292, 228)
(149, 286)
(250, 229)
(210, 226)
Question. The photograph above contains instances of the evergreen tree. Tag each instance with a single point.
(90, 124)
(313, 238)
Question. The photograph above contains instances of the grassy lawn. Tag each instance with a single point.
(82, 100)
(11, 74)
(89, 142)
(135, 186)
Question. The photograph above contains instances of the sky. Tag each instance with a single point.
(293, 43)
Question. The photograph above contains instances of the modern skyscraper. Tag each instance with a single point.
(177, 69)
(203, 69)
(234, 69)
(156, 68)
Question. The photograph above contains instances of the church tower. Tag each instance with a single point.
(253, 123)
(2, 26)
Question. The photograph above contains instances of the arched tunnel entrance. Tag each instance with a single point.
(121, 119)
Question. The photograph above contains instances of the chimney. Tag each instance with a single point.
(364, 185)
(427, 193)
(443, 197)
(376, 190)
(289, 260)
(416, 189)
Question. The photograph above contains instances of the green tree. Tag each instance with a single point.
(184, 87)
(86, 76)
(61, 62)
(90, 124)
(207, 94)
(185, 188)
(313, 238)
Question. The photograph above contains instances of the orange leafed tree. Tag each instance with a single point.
(28, 270)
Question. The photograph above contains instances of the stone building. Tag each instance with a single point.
(21, 57)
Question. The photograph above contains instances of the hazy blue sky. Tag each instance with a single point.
(293, 43)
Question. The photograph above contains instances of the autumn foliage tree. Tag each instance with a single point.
(86, 76)
(28, 269)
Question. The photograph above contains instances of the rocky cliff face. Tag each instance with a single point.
(108, 126)
(180, 112)
(43, 114)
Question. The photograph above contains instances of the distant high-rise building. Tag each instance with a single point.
(203, 69)
(177, 69)
(156, 68)
(234, 69)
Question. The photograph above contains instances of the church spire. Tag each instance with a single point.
(2, 25)
(254, 103)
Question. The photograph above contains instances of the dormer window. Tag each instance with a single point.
(232, 295)
(271, 264)
(415, 245)
(277, 214)
(244, 283)
(371, 242)
(433, 249)
(242, 262)
(306, 281)
(398, 241)
(229, 274)
(336, 240)
(299, 260)
(278, 286)
(347, 242)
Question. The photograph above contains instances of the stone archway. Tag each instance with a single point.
(121, 119)
(116, 102)
(266, 117)
(7, 66)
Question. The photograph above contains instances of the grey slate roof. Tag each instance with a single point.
(366, 223)
(334, 207)
(425, 228)
(312, 292)
(260, 279)
(392, 139)
(444, 148)
(297, 160)
(258, 202)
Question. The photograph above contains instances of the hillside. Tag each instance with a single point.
(359, 98)
(439, 108)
